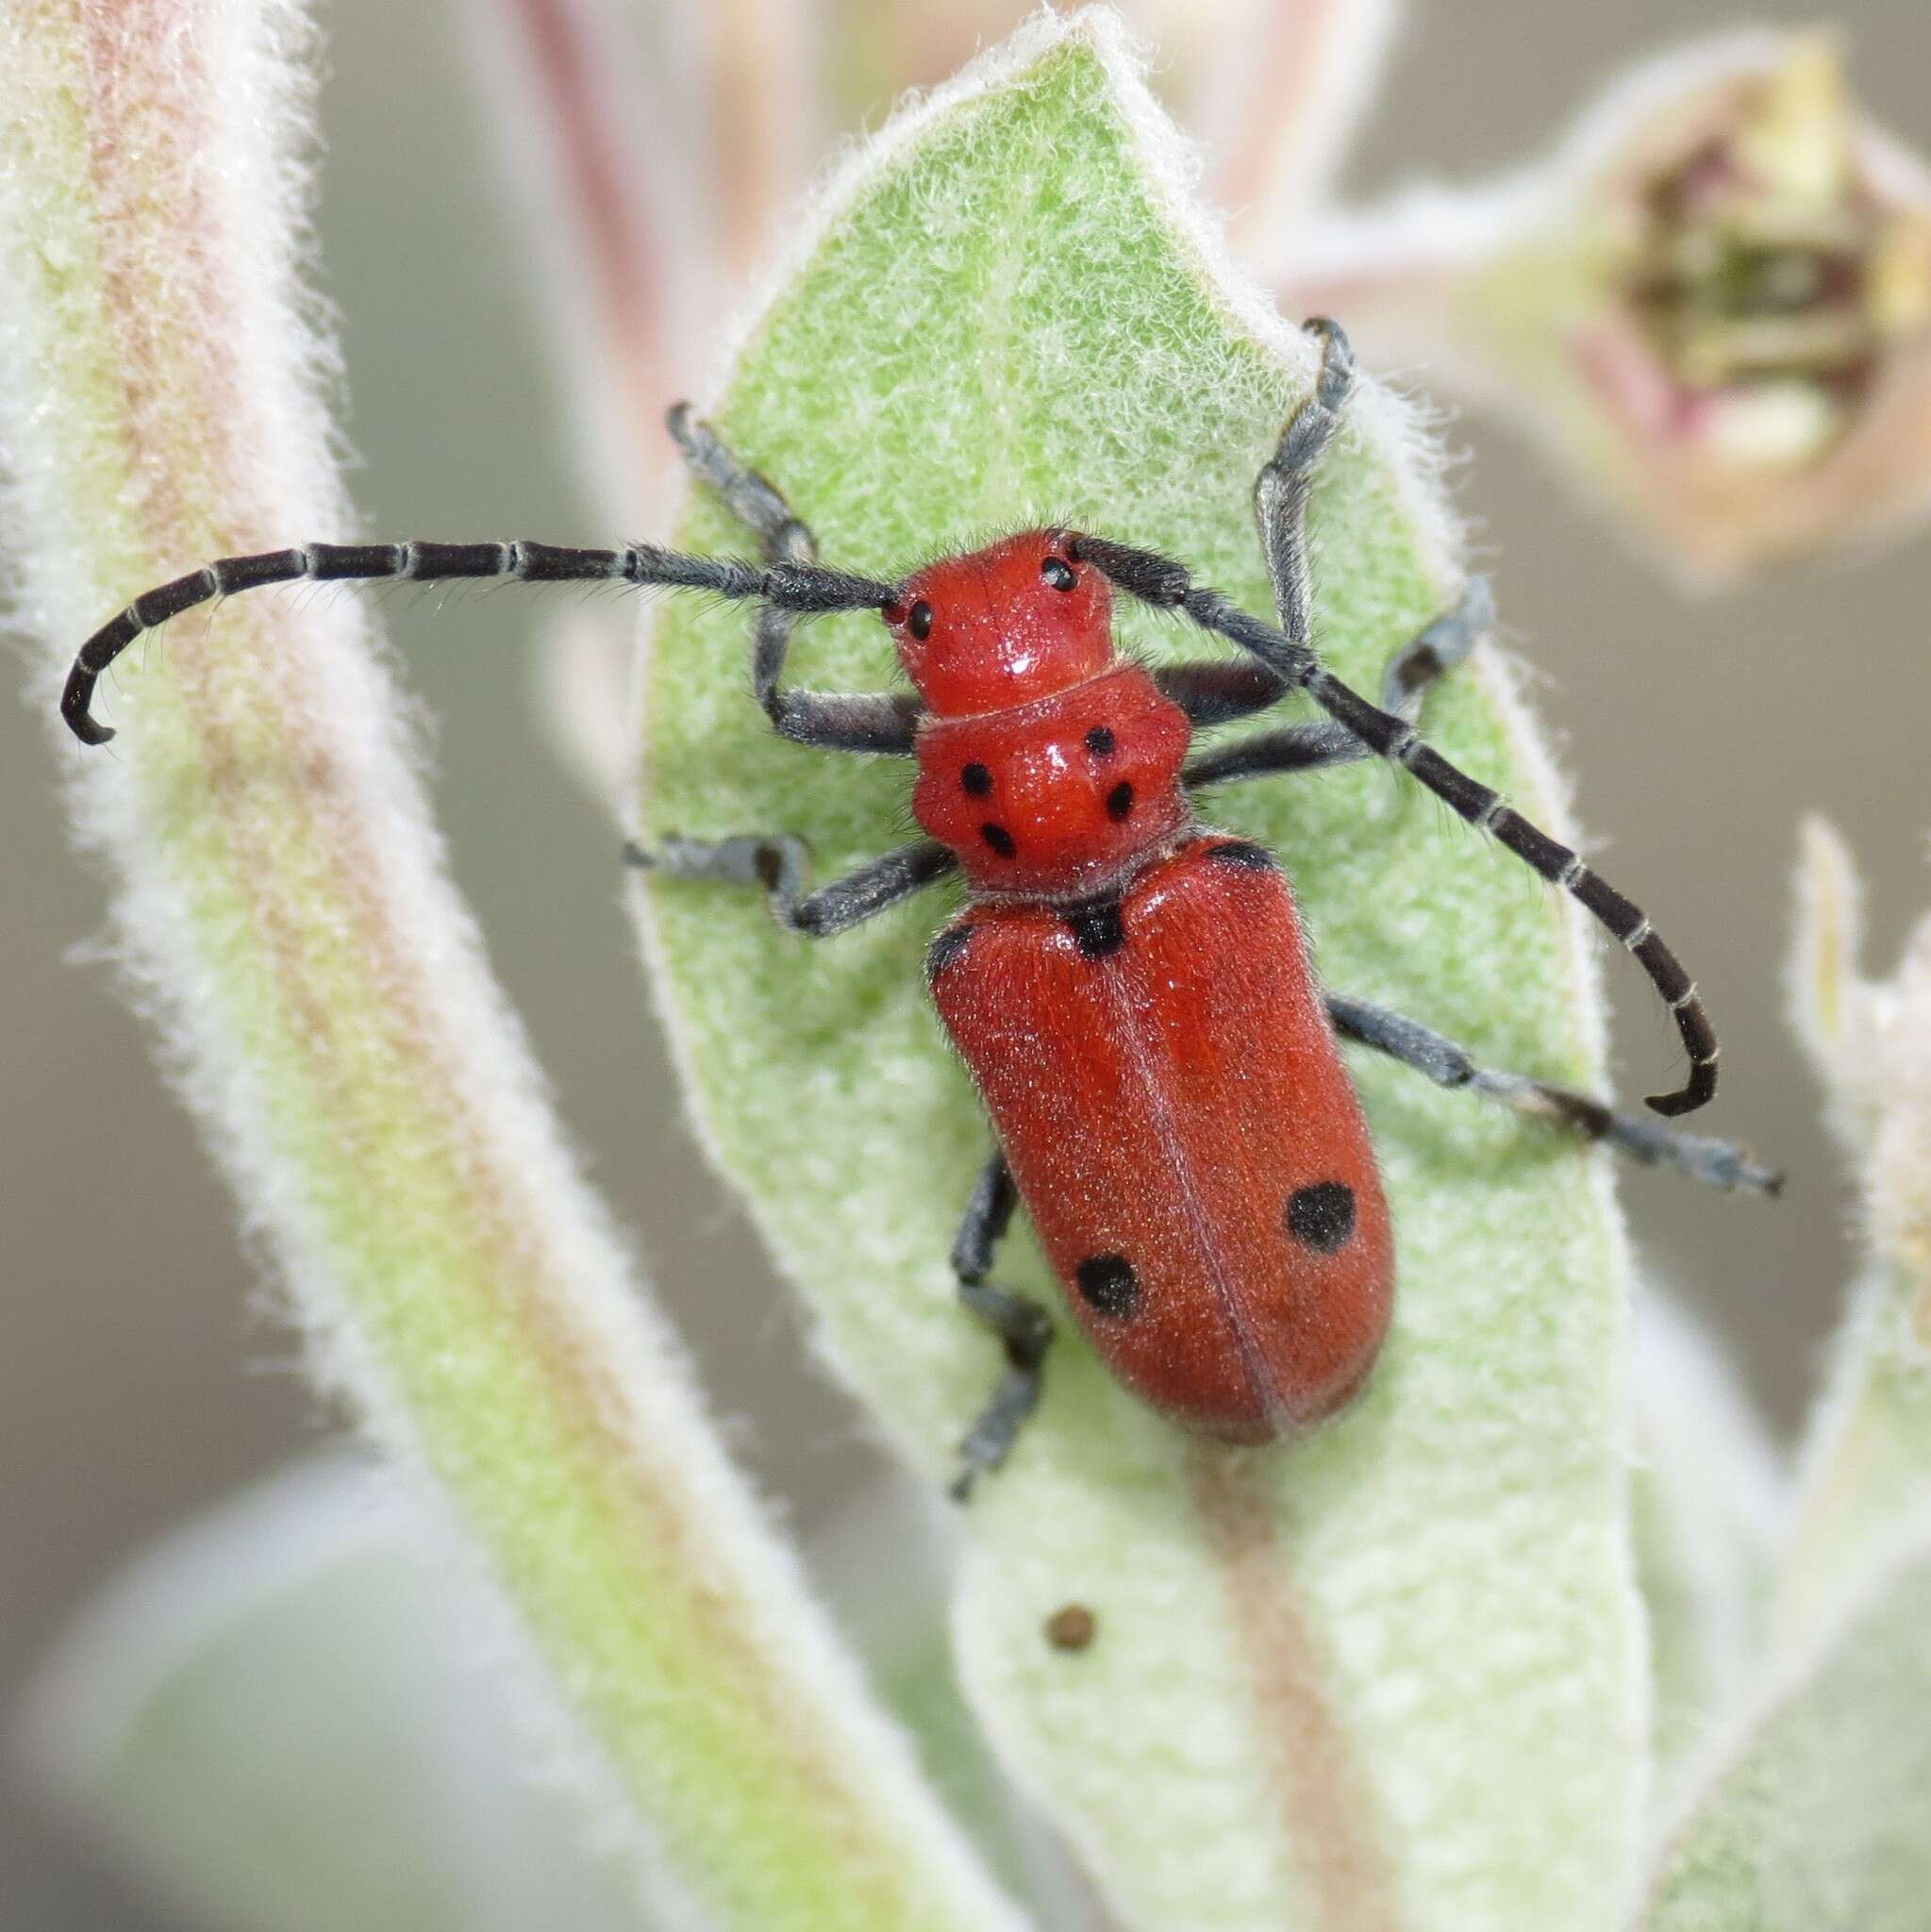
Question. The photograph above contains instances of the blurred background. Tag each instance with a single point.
(142, 1374)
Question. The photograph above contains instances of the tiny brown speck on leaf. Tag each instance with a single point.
(1071, 1627)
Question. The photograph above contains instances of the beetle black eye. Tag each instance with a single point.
(1059, 573)
(919, 620)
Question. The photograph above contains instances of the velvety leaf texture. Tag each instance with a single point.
(1707, 1509)
(1392, 1676)
(1817, 1817)
(287, 916)
(265, 1719)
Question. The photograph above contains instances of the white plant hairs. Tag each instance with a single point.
(221, 100)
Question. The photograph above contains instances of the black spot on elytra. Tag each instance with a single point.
(1245, 853)
(946, 948)
(1098, 927)
(999, 839)
(1120, 800)
(976, 779)
(1100, 741)
(1108, 1284)
(1321, 1217)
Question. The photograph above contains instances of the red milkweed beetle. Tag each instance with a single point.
(1130, 989)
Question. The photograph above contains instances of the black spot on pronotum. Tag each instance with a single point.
(946, 948)
(1098, 927)
(1100, 741)
(1321, 1217)
(1108, 1284)
(999, 839)
(976, 779)
(1245, 853)
(1120, 800)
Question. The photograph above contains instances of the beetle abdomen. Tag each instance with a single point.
(1185, 1136)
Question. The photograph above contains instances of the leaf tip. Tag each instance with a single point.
(1824, 944)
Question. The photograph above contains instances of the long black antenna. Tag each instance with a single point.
(800, 587)
(804, 588)
(1169, 586)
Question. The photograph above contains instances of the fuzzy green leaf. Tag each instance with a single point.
(287, 910)
(1392, 1675)
(1866, 1462)
(1817, 1818)
(276, 1680)
(1708, 1502)
(264, 1721)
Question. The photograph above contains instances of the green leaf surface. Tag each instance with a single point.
(1817, 1818)
(287, 916)
(276, 1681)
(1865, 1466)
(1390, 1675)
(1710, 1506)
(265, 1723)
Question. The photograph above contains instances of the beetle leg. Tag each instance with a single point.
(1411, 674)
(1281, 489)
(1021, 1324)
(1216, 693)
(779, 864)
(880, 724)
(750, 496)
(1165, 585)
(1719, 1163)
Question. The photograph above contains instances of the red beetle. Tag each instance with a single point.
(1133, 998)
(1130, 989)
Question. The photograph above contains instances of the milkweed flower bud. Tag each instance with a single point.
(1715, 301)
